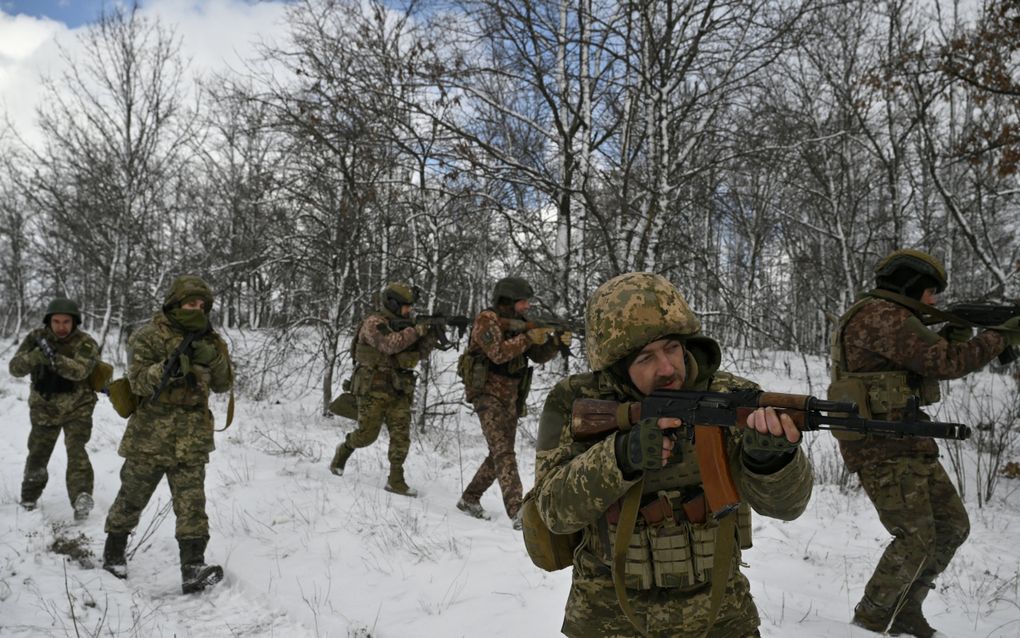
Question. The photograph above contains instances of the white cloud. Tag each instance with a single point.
(214, 34)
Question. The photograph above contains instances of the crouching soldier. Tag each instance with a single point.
(175, 361)
(60, 357)
(383, 383)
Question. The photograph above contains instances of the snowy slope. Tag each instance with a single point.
(310, 554)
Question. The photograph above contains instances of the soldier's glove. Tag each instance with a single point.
(421, 329)
(185, 364)
(956, 334)
(204, 353)
(764, 453)
(1010, 331)
(566, 337)
(640, 448)
(539, 336)
(37, 358)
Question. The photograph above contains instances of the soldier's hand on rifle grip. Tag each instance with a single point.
(566, 337)
(422, 329)
(1010, 331)
(203, 353)
(37, 358)
(646, 446)
(539, 336)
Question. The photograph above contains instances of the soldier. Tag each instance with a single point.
(497, 378)
(61, 399)
(171, 431)
(384, 380)
(883, 358)
(642, 336)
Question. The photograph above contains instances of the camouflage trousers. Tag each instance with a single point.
(593, 610)
(41, 441)
(919, 506)
(499, 426)
(376, 408)
(139, 479)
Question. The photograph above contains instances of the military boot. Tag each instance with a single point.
(473, 509)
(343, 452)
(195, 574)
(910, 621)
(82, 506)
(872, 617)
(114, 560)
(397, 485)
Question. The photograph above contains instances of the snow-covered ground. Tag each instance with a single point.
(310, 554)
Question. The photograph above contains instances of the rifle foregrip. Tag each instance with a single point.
(595, 418)
(798, 415)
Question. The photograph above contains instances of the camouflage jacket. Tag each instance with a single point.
(386, 358)
(64, 394)
(885, 336)
(176, 428)
(508, 356)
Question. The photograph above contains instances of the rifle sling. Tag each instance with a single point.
(230, 412)
(624, 530)
(724, 540)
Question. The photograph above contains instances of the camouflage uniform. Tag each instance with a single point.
(172, 435)
(499, 400)
(579, 486)
(915, 499)
(61, 399)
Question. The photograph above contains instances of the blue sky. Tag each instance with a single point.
(73, 13)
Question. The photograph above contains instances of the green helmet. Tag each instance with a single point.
(630, 311)
(512, 288)
(188, 287)
(904, 270)
(62, 306)
(397, 294)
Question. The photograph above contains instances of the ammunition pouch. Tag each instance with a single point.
(547, 550)
(473, 370)
(673, 543)
(100, 377)
(890, 391)
(124, 401)
(522, 392)
(345, 405)
(850, 389)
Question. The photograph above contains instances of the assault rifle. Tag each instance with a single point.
(985, 316)
(47, 350)
(437, 327)
(558, 326)
(172, 368)
(703, 414)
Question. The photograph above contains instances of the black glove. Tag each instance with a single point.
(765, 453)
(640, 448)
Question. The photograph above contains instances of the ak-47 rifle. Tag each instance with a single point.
(704, 414)
(437, 327)
(558, 327)
(47, 350)
(172, 368)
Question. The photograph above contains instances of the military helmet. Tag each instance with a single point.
(397, 294)
(902, 270)
(62, 306)
(188, 287)
(630, 311)
(512, 288)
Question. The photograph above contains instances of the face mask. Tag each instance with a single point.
(190, 320)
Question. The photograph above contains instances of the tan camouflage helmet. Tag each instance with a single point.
(396, 294)
(920, 263)
(188, 287)
(630, 311)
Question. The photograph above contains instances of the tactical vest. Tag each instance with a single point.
(674, 540)
(516, 368)
(376, 371)
(876, 393)
(47, 381)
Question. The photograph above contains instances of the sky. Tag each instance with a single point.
(213, 33)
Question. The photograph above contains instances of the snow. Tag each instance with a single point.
(307, 553)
